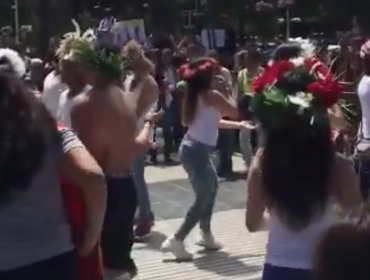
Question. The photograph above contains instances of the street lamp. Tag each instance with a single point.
(286, 4)
(16, 20)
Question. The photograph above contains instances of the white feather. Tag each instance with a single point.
(15, 60)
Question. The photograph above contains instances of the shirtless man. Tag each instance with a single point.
(73, 77)
(106, 123)
(143, 92)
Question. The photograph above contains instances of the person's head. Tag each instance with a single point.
(344, 250)
(72, 72)
(37, 70)
(249, 58)
(135, 59)
(27, 128)
(192, 51)
(298, 151)
(102, 65)
(198, 75)
(286, 51)
(214, 55)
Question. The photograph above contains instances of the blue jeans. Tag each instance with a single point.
(196, 158)
(271, 272)
(144, 208)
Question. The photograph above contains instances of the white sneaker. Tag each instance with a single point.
(207, 241)
(177, 249)
(117, 276)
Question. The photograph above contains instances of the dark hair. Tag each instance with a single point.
(26, 129)
(344, 251)
(296, 165)
(196, 84)
(286, 51)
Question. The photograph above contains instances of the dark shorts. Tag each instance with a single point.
(271, 272)
(61, 267)
(117, 235)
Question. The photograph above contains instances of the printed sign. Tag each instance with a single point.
(127, 30)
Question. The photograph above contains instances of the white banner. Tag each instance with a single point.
(127, 30)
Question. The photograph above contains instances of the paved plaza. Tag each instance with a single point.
(243, 253)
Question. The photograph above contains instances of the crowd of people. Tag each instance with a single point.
(73, 196)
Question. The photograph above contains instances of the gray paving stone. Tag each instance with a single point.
(241, 257)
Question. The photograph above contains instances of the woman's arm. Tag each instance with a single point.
(226, 124)
(256, 217)
(82, 169)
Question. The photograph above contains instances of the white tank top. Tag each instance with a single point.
(295, 249)
(135, 94)
(204, 127)
(363, 91)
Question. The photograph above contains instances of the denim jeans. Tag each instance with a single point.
(271, 272)
(246, 145)
(196, 158)
(144, 208)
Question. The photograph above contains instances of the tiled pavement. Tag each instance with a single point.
(243, 253)
(240, 259)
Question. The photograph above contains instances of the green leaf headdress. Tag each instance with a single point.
(83, 47)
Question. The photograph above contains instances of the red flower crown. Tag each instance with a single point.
(187, 71)
(324, 88)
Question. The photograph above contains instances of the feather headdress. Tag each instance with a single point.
(15, 60)
(73, 40)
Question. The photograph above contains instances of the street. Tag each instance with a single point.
(243, 253)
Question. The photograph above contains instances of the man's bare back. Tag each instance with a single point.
(106, 123)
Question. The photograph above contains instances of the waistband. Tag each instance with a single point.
(191, 142)
(117, 175)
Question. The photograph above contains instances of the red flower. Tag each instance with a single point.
(271, 74)
(319, 68)
(327, 92)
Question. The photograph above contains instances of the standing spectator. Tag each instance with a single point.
(225, 143)
(249, 66)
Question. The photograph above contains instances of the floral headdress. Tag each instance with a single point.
(83, 47)
(301, 87)
(74, 40)
(188, 71)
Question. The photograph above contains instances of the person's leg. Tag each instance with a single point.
(206, 238)
(145, 217)
(117, 235)
(245, 146)
(195, 160)
(62, 267)
(168, 140)
(364, 173)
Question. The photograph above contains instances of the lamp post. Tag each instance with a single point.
(286, 4)
(16, 20)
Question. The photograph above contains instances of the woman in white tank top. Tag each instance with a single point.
(296, 175)
(202, 112)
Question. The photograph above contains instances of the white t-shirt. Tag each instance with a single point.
(363, 91)
(65, 106)
(53, 88)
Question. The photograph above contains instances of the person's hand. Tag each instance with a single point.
(246, 125)
(154, 117)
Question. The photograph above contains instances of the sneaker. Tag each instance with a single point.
(177, 249)
(143, 229)
(207, 241)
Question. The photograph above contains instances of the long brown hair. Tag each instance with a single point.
(198, 77)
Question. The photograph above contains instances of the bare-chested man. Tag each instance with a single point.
(106, 123)
(143, 91)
